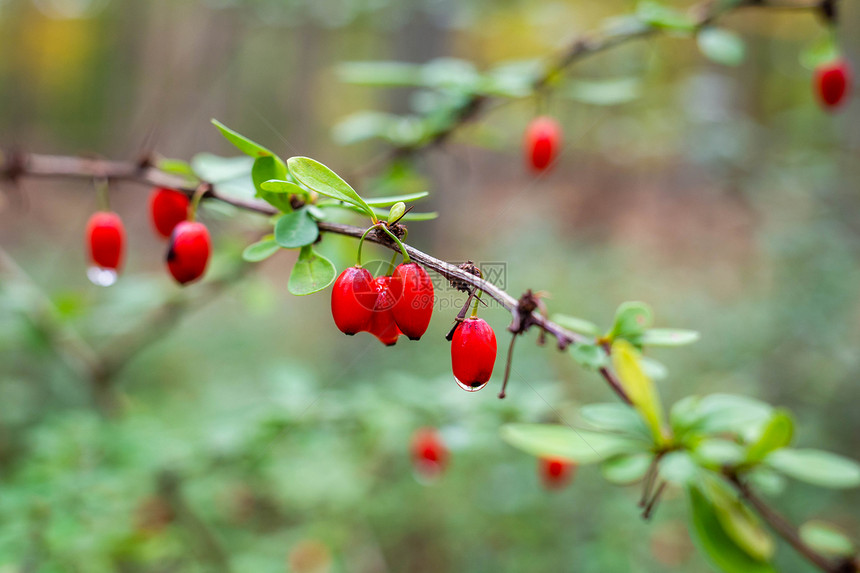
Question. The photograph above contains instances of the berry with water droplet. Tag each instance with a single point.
(382, 324)
(352, 300)
(189, 250)
(429, 454)
(556, 473)
(833, 83)
(414, 292)
(473, 353)
(542, 142)
(167, 208)
(105, 240)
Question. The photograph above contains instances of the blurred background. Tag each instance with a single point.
(244, 433)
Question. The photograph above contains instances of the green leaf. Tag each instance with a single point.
(626, 469)
(615, 418)
(766, 480)
(715, 543)
(296, 229)
(589, 355)
(261, 250)
(396, 212)
(580, 446)
(821, 52)
(777, 433)
(311, 273)
(739, 522)
(640, 389)
(717, 452)
(380, 73)
(661, 16)
(314, 175)
(826, 538)
(603, 92)
(654, 369)
(575, 324)
(176, 167)
(215, 169)
(678, 468)
(388, 201)
(668, 337)
(265, 169)
(410, 216)
(280, 186)
(816, 467)
(242, 143)
(721, 46)
(631, 320)
(718, 413)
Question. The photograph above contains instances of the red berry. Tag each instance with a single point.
(352, 300)
(556, 472)
(168, 208)
(542, 142)
(473, 353)
(414, 292)
(382, 324)
(429, 454)
(833, 83)
(105, 240)
(188, 253)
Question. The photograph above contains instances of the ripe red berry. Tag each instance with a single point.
(352, 300)
(555, 473)
(105, 240)
(833, 83)
(188, 253)
(167, 208)
(429, 454)
(414, 292)
(382, 324)
(542, 142)
(473, 353)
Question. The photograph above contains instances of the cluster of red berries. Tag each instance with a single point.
(833, 83)
(189, 246)
(385, 306)
(430, 457)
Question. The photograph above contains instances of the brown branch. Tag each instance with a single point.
(788, 532)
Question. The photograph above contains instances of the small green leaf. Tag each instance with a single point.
(717, 452)
(280, 186)
(678, 468)
(388, 201)
(668, 337)
(214, 168)
(396, 212)
(817, 467)
(721, 46)
(654, 369)
(777, 433)
(626, 469)
(314, 175)
(261, 250)
(640, 389)
(296, 229)
(581, 446)
(242, 143)
(311, 273)
(631, 320)
(718, 413)
(410, 216)
(175, 166)
(826, 538)
(589, 355)
(821, 52)
(715, 543)
(661, 16)
(575, 324)
(739, 522)
(390, 74)
(603, 92)
(766, 480)
(619, 418)
(265, 169)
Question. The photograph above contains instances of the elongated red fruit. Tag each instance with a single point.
(105, 240)
(556, 473)
(473, 353)
(833, 83)
(414, 307)
(429, 454)
(167, 208)
(382, 324)
(352, 300)
(189, 250)
(542, 142)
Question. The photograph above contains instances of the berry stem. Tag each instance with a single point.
(477, 302)
(406, 258)
(361, 242)
(391, 264)
(102, 185)
(195, 200)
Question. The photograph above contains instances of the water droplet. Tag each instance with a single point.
(468, 388)
(101, 277)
